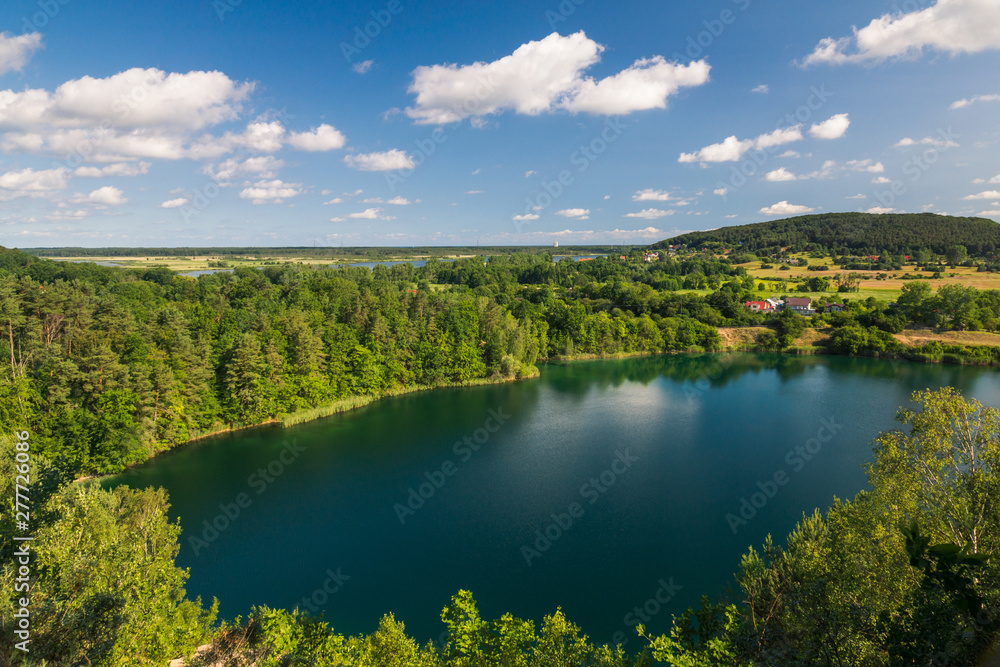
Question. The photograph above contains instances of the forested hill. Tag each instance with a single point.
(854, 233)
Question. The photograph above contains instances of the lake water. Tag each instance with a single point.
(629, 466)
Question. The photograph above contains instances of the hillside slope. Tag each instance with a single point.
(856, 232)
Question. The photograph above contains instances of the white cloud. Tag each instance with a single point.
(116, 169)
(988, 194)
(784, 208)
(949, 26)
(780, 175)
(525, 217)
(790, 154)
(578, 213)
(732, 149)
(832, 128)
(15, 51)
(263, 167)
(131, 99)
(868, 166)
(323, 138)
(881, 180)
(395, 201)
(829, 169)
(138, 113)
(144, 114)
(645, 85)
(270, 192)
(762, 89)
(858, 196)
(650, 214)
(543, 76)
(31, 183)
(989, 214)
(907, 142)
(650, 194)
(969, 101)
(720, 191)
(392, 160)
(175, 203)
(879, 210)
(363, 67)
(106, 196)
(370, 214)
(473, 192)
(530, 173)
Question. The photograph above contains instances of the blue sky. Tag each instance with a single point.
(225, 122)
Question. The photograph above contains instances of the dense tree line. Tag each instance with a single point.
(854, 234)
(107, 366)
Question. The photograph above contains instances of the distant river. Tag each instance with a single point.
(597, 487)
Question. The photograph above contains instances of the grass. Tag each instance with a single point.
(886, 290)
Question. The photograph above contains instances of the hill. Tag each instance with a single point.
(854, 233)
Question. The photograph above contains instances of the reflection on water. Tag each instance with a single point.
(703, 430)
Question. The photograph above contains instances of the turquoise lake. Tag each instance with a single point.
(612, 489)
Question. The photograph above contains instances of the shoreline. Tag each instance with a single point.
(339, 406)
(351, 403)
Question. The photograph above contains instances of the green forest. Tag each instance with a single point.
(854, 233)
(107, 366)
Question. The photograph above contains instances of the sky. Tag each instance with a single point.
(430, 122)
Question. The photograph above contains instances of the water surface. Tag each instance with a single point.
(699, 433)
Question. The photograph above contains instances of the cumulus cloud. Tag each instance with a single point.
(939, 142)
(16, 50)
(869, 166)
(989, 214)
(175, 203)
(544, 76)
(780, 175)
(525, 217)
(577, 213)
(988, 194)
(395, 201)
(144, 114)
(392, 160)
(784, 208)
(31, 183)
(530, 173)
(323, 138)
(363, 67)
(370, 214)
(106, 196)
(969, 101)
(879, 210)
(270, 192)
(881, 180)
(720, 191)
(762, 89)
(733, 149)
(116, 169)
(948, 26)
(650, 194)
(832, 128)
(650, 214)
(262, 167)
